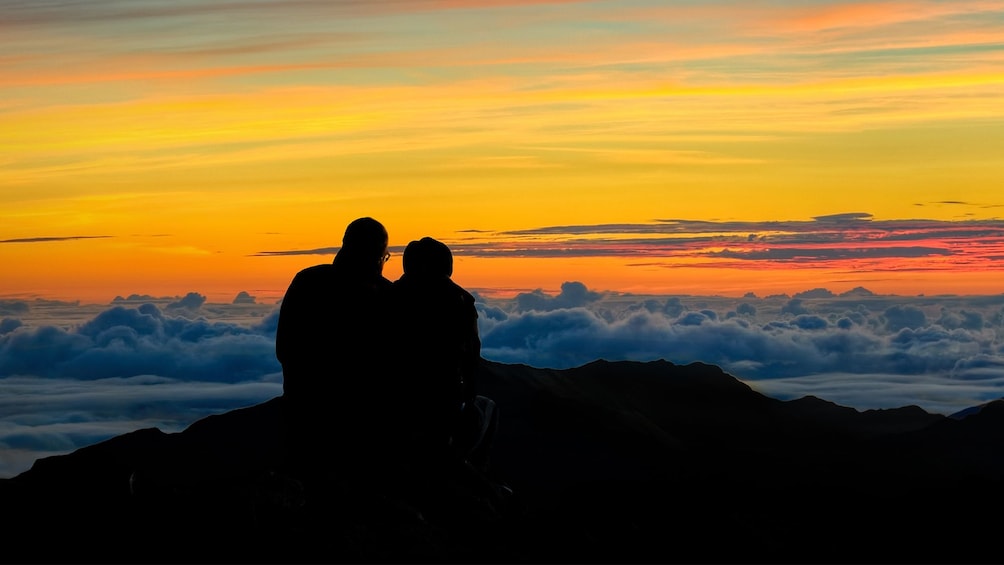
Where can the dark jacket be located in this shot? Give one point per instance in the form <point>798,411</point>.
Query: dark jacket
<point>438,351</point>
<point>330,341</point>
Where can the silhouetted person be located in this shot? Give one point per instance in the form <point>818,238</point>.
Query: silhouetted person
<point>436,340</point>
<point>330,341</point>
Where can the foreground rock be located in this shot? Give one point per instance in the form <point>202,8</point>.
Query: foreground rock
<point>621,462</point>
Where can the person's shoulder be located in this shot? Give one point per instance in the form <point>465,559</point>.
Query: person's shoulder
<point>312,275</point>
<point>458,297</point>
<point>316,269</point>
<point>463,292</point>
<point>403,283</point>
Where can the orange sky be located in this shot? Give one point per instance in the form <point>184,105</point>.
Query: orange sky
<point>644,147</point>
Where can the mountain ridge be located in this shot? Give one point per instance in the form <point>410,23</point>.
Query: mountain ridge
<point>612,461</point>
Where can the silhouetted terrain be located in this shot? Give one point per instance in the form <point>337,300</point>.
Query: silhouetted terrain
<point>619,462</point>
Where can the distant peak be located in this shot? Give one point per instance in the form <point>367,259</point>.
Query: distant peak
<point>857,291</point>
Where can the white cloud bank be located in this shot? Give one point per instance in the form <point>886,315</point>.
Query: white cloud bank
<point>72,375</point>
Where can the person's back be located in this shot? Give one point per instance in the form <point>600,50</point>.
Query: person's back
<point>438,347</point>
<point>328,340</point>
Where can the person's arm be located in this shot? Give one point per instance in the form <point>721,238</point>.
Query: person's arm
<point>472,354</point>
<point>285,328</point>
<point>293,329</point>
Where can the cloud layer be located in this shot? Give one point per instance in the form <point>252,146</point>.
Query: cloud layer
<point>72,375</point>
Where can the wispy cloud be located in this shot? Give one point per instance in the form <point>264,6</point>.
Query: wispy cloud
<point>315,251</point>
<point>850,240</point>
<point>844,238</point>
<point>47,239</point>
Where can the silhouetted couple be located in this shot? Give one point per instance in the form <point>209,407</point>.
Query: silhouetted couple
<point>380,377</point>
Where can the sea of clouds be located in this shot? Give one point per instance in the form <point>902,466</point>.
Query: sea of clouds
<point>72,375</point>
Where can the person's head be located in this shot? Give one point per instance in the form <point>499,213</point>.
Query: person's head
<point>364,245</point>
<point>428,257</point>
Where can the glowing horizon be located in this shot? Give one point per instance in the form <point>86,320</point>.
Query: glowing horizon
<point>636,147</point>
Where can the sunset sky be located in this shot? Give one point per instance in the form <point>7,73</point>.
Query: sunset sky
<point>690,147</point>
<point>614,179</point>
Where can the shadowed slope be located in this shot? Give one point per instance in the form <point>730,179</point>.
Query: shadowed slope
<point>610,462</point>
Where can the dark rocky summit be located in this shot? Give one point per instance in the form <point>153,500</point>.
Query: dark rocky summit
<point>611,462</point>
